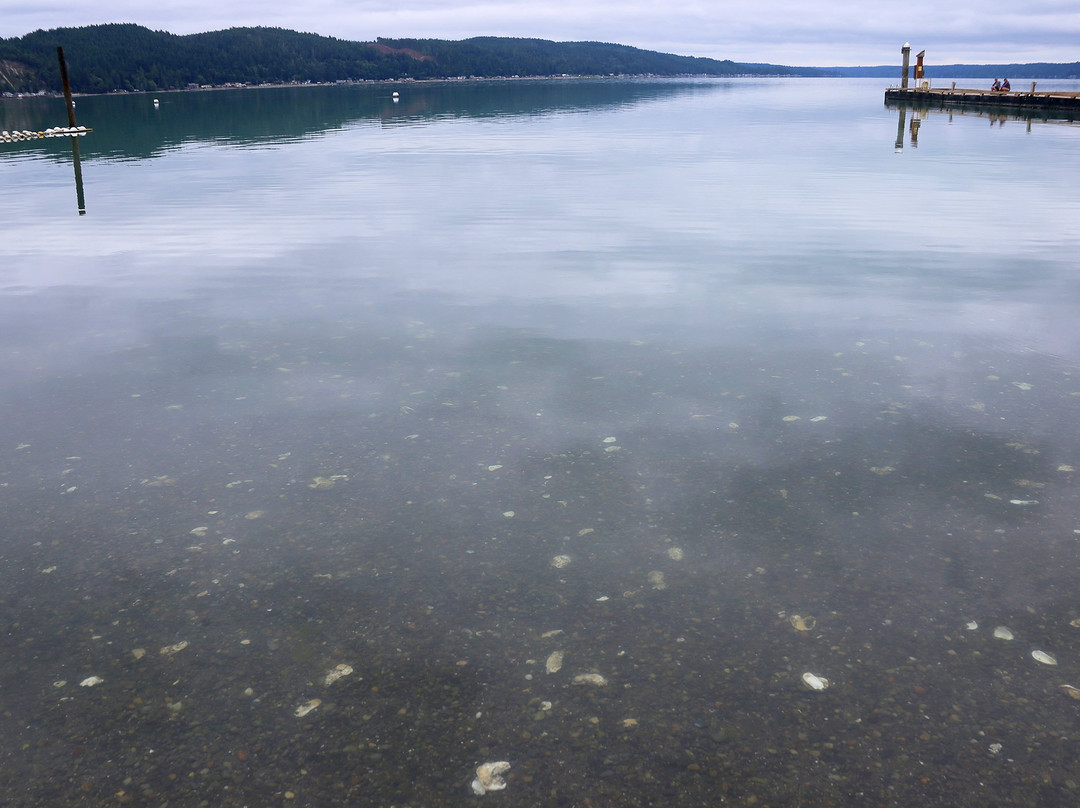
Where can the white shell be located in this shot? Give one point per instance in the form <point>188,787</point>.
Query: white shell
<point>90,681</point>
<point>1002,633</point>
<point>814,682</point>
<point>307,707</point>
<point>336,673</point>
<point>1043,657</point>
<point>489,777</point>
<point>594,679</point>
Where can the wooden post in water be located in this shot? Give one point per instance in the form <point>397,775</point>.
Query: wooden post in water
<point>67,87</point>
<point>906,51</point>
<point>80,198</point>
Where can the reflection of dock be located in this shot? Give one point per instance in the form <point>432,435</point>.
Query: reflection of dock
<point>921,113</point>
<point>1044,104</point>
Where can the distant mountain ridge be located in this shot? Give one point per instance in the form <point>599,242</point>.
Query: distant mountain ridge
<point>126,56</point>
<point>1032,70</point>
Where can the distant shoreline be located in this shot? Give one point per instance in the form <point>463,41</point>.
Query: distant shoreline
<point>406,81</point>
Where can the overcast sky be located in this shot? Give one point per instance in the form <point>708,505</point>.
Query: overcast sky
<point>790,32</point>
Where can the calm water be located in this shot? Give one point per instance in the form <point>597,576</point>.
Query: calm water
<point>703,385</point>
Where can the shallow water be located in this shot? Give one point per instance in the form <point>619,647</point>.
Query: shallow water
<point>321,379</point>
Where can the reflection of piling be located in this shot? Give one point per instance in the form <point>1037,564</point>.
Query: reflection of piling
<point>79,196</point>
<point>900,130</point>
<point>67,87</point>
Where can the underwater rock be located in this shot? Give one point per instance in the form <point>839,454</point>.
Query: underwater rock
<point>489,777</point>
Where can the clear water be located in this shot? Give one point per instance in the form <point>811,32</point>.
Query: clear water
<point>322,378</point>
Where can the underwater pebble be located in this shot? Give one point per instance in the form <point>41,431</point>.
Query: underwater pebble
<point>656,578</point>
<point>560,561</point>
<point>489,777</point>
<point>609,440</point>
<point>790,418</point>
<point>175,648</point>
<point>675,553</point>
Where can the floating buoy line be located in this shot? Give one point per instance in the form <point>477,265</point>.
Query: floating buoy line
<point>56,131</point>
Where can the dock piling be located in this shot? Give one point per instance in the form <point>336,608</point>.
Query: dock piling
<point>67,87</point>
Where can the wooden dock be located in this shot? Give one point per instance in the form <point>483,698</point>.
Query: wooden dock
<point>1042,104</point>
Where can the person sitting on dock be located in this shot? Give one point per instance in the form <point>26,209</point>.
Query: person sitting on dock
<point>1005,86</point>
<point>996,85</point>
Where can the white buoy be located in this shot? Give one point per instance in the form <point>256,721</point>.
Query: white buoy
<point>395,94</point>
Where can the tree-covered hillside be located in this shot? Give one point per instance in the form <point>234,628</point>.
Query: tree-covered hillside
<point>104,58</point>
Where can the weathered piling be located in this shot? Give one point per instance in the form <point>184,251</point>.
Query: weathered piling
<point>67,87</point>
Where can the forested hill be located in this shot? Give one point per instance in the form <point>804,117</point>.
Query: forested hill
<point>104,58</point>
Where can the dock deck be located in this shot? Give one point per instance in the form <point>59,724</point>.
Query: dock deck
<point>1048,104</point>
